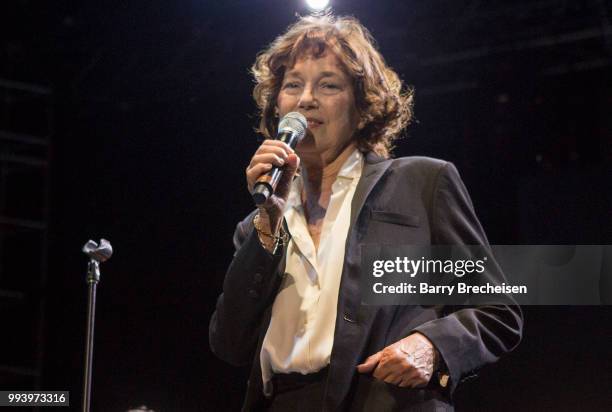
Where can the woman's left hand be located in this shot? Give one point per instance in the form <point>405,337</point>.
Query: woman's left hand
<point>409,362</point>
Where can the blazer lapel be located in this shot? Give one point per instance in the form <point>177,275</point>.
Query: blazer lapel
<point>373,169</point>
<point>349,299</point>
<point>351,327</point>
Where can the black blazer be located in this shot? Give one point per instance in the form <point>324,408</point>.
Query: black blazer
<point>413,200</point>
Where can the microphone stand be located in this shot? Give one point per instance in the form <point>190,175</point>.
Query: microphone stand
<point>97,253</point>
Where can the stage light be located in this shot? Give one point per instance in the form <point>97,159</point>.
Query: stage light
<point>317,4</point>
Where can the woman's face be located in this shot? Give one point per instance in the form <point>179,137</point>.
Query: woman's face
<point>320,90</point>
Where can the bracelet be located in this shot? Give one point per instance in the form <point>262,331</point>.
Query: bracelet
<point>280,240</point>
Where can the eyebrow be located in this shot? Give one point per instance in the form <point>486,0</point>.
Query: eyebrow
<point>323,74</point>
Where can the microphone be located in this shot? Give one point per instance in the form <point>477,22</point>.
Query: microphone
<point>291,129</point>
<point>100,252</point>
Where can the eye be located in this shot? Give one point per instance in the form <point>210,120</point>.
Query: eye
<point>330,86</point>
<point>291,85</point>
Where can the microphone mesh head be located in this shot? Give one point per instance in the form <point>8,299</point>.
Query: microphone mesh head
<point>294,122</point>
<point>100,252</point>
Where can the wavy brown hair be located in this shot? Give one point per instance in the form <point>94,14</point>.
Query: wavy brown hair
<point>384,108</point>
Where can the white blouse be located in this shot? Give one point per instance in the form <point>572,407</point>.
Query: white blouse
<point>301,331</point>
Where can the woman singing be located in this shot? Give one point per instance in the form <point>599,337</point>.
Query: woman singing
<point>291,303</point>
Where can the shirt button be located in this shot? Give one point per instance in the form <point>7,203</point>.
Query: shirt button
<point>253,293</point>
<point>257,278</point>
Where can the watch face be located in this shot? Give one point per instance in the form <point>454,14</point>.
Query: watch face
<point>443,379</point>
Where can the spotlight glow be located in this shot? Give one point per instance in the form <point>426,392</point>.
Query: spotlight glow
<point>317,4</point>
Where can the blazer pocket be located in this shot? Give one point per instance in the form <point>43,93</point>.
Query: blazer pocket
<point>372,394</point>
<point>396,218</point>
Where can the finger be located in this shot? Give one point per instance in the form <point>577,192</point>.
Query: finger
<point>412,383</point>
<point>369,364</point>
<point>383,369</point>
<point>409,380</point>
<point>277,150</point>
<point>293,163</point>
<point>267,158</point>
<point>405,383</point>
<point>382,372</point>
<point>258,169</point>
<point>393,379</point>
<point>278,143</point>
<point>256,172</point>
<point>391,363</point>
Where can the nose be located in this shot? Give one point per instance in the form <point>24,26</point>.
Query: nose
<point>308,99</point>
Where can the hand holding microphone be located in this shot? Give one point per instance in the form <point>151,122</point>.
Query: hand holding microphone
<point>291,129</point>
<point>271,171</point>
<point>273,166</point>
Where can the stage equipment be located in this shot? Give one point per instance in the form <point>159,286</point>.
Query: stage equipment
<point>98,253</point>
<point>317,5</point>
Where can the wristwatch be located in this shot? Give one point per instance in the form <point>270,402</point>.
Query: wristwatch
<point>442,374</point>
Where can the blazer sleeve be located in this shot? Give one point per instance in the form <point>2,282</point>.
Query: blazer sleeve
<point>249,288</point>
<point>467,337</point>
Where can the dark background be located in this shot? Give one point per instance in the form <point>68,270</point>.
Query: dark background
<point>147,110</point>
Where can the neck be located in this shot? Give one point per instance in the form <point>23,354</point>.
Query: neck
<point>319,173</point>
